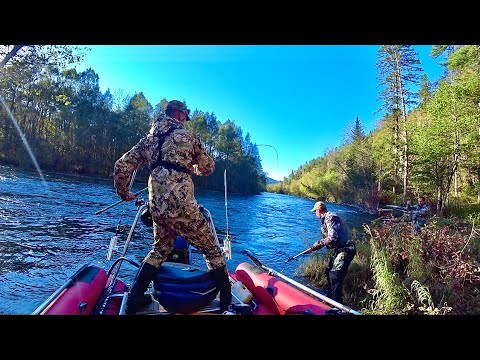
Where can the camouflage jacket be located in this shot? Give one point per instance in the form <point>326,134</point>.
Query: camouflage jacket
<point>421,212</point>
<point>334,230</point>
<point>181,147</point>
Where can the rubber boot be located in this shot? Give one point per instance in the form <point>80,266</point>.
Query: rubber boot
<point>240,309</point>
<point>137,296</point>
<point>222,281</point>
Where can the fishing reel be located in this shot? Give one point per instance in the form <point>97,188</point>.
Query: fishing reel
<point>146,217</point>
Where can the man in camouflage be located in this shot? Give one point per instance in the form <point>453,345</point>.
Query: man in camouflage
<point>420,212</point>
<point>172,153</point>
<point>336,238</point>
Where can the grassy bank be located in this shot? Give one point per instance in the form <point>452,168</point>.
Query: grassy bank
<point>396,272</point>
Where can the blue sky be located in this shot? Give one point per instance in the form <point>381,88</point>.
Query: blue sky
<point>298,99</point>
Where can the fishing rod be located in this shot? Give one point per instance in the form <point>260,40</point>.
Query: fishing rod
<point>119,202</point>
<point>276,152</point>
<point>114,238</point>
<point>395,207</point>
<point>227,242</point>
<point>389,210</point>
<point>226,207</point>
<point>115,268</point>
<point>142,205</point>
<point>297,284</point>
<point>303,252</point>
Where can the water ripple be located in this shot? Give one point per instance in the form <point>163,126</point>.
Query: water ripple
<point>47,234</point>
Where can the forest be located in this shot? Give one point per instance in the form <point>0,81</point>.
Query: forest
<point>427,141</point>
<point>58,118</point>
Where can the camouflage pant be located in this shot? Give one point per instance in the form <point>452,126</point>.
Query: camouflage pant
<point>193,227</point>
<point>418,223</point>
<point>337,270</point>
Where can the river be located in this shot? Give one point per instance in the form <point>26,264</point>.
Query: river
<point>48,229</point>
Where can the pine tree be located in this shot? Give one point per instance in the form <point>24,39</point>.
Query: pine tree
<point>399,68</point>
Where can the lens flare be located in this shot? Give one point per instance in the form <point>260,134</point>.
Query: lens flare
<point>22,136</point>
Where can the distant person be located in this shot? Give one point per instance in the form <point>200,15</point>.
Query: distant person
<point>420,213</point>
<point>172,153</point>
<point>336,238</point>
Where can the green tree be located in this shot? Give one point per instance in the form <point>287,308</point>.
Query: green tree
<point>160,108</point>
<point>399,68</point>
<point>425,93</point>
<point>358,134</point>
<point>443,138</point>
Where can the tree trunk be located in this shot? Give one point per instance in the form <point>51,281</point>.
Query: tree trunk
<point>478,187</point>
<point>379,183</point>
<point>395,155</point>
<point>455,184</point>
<point>405,133</point>
<point>439,201</point>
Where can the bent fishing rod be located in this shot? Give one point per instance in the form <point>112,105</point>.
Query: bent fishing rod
<point>297,284</point>
<point>276,152</point>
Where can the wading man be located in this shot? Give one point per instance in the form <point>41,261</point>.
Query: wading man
<point>342,249</point>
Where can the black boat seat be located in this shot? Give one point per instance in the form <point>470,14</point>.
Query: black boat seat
<point>183,288</point>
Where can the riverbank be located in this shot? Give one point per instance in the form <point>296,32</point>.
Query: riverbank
<point>397,273</point>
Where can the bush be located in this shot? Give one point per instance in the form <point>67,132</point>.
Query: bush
<point>396,272</point>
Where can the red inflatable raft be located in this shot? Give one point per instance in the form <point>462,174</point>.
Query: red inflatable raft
<point>79,294</point>
<point>276,297</point>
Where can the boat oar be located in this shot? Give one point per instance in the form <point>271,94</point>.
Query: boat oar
<point>297,284</point>
<point>303,252</point>
<point>118,202</point>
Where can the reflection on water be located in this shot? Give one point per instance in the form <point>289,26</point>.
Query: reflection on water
<point>47,234</point>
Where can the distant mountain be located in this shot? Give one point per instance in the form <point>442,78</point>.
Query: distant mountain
<point>272,181</point>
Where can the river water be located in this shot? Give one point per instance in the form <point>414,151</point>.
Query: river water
<point>48,230</point>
